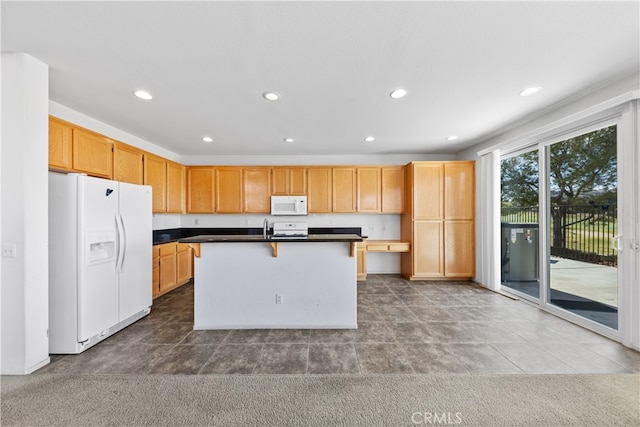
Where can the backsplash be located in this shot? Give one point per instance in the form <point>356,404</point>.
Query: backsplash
<point>375,226</point>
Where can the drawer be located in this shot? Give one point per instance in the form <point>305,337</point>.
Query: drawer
<point>168,249</point>
<point>387,246</point>
<point>399,247</point>
<point>156,251</point>
<point>183,247</point>
<point>371,247</point>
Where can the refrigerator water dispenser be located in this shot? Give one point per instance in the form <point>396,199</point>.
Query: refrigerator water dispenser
<point>102,247</point>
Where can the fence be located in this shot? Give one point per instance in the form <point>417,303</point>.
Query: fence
<point>579,232</point>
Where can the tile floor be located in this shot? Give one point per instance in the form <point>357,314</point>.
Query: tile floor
<point>404,327</point>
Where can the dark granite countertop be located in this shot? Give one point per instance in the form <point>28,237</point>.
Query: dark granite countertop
<point>250,234</point>
<point>234,238</point>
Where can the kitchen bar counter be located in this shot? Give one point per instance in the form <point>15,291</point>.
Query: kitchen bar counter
<point>252,282</point>
<point>259,238</point>
<point>175,234</point>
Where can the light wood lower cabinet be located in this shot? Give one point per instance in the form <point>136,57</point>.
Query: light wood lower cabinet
<point>459,249</point>
<point>174,265</point>
<point>184,263</point>
<point>156,272</point>
<point>428,260</point>
<point>361,254</point>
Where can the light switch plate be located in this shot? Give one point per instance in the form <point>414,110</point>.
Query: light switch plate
<point>9,250</point>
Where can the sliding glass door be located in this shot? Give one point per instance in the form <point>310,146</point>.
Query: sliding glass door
<point>559,225</point>
<point>582,226</point>
<point>519,224</point>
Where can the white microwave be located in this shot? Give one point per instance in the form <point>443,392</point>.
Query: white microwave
<point>288,205</point>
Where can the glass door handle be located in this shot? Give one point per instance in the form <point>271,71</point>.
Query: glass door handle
<point>615,242</point>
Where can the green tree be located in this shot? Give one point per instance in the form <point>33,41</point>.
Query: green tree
<point>519,180</point>
<point>583,167</point>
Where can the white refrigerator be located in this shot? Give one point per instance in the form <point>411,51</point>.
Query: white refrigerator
<point>100,255</point>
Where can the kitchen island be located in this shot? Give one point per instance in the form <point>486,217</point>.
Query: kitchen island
<point>253,282</point>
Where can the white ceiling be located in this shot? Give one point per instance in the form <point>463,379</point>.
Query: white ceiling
<point>334,64</point>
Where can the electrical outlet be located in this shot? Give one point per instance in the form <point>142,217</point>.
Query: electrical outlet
<point>9,250</point>
<point>197,221</point>
<point>279,298</point>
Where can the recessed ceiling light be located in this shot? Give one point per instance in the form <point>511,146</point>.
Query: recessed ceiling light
<point>207,139</point>
<point>271,96</point>
<point>369,139</point>
<point>288,140</point>
<point>451,138</point>
<point>530,91</point>
<point>398,93</point>
<point>143,94</point>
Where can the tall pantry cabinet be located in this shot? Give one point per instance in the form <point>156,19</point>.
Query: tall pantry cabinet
<point>439,220</point>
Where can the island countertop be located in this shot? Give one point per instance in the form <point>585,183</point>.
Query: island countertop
<point>258,238</point>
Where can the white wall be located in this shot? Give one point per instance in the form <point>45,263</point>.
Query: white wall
<point>24,288</point>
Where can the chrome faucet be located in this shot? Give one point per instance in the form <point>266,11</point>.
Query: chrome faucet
<point>265,227</point>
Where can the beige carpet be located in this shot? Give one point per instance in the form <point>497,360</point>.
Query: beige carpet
<point>316,400</point>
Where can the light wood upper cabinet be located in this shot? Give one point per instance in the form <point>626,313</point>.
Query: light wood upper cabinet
<point>128,164</point>
<point>257,190</point>
<point>319,190</point>
<point>60,144</point>
<point>92,153</point>
<point>427,190</point>
<point>392,189</point>
<point>459,188</point>
<point>228,182</point>
<point>155,175</point>
<point>176,183</point>
<point>344,189</point>
<point>369,189</point>
<point>298,181</point>
<point>201,190</point>
<point>280,181</point>
<point>288,181</point>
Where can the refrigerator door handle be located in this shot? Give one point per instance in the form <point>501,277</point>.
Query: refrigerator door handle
<point>120,254</point>
<point>124,243</point>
